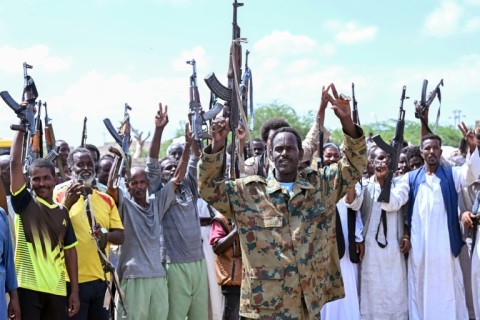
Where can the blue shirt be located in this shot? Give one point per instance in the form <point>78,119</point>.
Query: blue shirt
<point>8,279</point>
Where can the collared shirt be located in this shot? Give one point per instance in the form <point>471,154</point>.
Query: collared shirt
<point>106,214</point>
<point>288,241</point>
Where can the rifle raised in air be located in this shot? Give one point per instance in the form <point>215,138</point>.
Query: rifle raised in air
<point>231,94</point>
<point>393,150</point>
<point>26,113</point>
<point>426,102</point>
<point>122,137</point>
<point>199,119</point>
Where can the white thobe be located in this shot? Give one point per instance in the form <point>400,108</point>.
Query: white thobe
<point>348,307</point>
<point>214,290</point>
<point>435,283</point>
<point>383,275</point>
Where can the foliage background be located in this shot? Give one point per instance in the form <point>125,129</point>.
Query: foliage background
<point>450,135</point>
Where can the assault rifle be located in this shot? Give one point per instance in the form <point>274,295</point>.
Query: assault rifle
<point>83,141</point>
<point>36,143</point>
<point>199,119</point>
<point>393,149</point>
<point>25,112</point>
<point>122,137</point>
<point>426,102</point>
<point>50,144</point>
<point>355,117</point>
<point>246,90</point>
<point>231,94</point>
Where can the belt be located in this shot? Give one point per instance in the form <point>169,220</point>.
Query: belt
<point>205,221</point>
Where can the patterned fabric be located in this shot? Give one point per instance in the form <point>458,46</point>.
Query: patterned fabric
<point>288,241</point>
<point>44,231</point>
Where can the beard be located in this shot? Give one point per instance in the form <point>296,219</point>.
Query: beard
<point>86,177</point>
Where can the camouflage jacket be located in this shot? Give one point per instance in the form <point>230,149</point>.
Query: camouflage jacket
<point>288,241</point>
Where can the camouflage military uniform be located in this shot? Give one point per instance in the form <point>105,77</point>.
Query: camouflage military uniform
<point>288,241</point>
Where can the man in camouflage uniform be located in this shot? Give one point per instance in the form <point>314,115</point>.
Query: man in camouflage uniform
<point>286,222</point>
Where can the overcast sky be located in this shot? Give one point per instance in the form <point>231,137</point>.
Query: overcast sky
<point>91,57</point>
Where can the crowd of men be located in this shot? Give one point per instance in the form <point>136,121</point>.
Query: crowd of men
<point>288,238</point>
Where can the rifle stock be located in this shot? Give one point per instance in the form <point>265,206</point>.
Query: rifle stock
<point>393,150</point>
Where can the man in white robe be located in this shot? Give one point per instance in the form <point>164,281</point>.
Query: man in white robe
<point>383,275</point>
<point>435,282</point>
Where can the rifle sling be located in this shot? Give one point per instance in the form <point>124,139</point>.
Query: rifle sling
<point>352,245</point>
<point>106,266</point>
<point>383,221</point>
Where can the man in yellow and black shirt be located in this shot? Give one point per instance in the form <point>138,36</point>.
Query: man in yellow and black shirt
<point>45,242</point>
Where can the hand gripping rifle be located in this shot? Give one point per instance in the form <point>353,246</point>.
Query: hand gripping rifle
<point>231,94</point>
<point>122,137</point>
<point>83,141</point>
<point>426,102</point>
<point>25,112</point>
<point>393,150</point>
<point>199,119</point>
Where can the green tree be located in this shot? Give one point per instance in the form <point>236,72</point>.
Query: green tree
<point>280,110</point>
<point>450,135</point>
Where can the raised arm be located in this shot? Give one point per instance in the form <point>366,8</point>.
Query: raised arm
<point>211,185</point>
<point>17,179</point>
<point>341,107</point>
<point>190,145</point>
<point>161,120</point>
<point>153,169</point>
<point>310,143</point>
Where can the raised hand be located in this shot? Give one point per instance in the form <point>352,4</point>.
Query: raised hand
<point>161,118</point>
<point>340,103</point>
<point>189,140</point>
<point>324,99</point>
<point>219,129</point>
<point>469,135</point>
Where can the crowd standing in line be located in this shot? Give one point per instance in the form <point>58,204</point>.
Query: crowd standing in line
<point>290,238</point>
